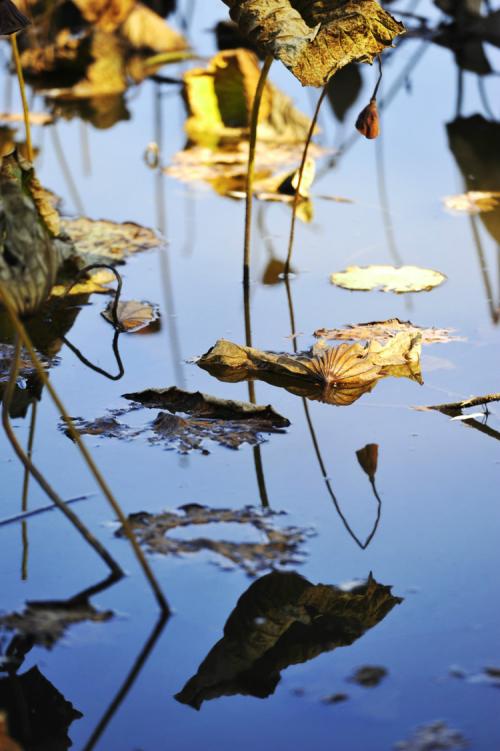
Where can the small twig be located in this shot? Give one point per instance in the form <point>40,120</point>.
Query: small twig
<point>254,119</point>
<point>465,404</point>
<point>296,196</point>
<point>41,510</point>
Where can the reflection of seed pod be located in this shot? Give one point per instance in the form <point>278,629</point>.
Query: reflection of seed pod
<point>368,123</point>
<point>346,364</point>
<point>11,19</point>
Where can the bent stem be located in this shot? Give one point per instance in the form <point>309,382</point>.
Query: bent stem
<point>296,196</point>
<point>22,89</point>
<point>251,166</point>
<point>26,341</point>
<point>37,475</point>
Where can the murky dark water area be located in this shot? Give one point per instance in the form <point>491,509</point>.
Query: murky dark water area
<point>436,543</point>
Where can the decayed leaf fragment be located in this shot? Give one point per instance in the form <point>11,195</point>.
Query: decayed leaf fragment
<point>281,620</point>
<point>386,330</point>
<point>315,39</point>
<point>473,202</point>
<point>132,315</point>
<point>281,546</point>
<point>111,242</point>
<point>368,459</point>
<point>400,279</point>
<point>204,405</point>
<point>333,375</point>
<point>96,282</point>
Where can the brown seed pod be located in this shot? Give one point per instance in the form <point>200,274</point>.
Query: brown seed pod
<point>368,122</point>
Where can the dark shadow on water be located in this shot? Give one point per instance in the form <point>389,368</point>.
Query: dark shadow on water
<point>281,620</point>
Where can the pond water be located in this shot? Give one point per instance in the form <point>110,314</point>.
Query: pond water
<point>436,543</point>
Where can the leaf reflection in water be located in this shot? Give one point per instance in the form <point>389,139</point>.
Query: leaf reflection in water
<point>282,619</point>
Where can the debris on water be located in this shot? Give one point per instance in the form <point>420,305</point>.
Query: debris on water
<point>282,546</point>
<point>436,735</point>
<point>335,698</point>
<point>368,676</point>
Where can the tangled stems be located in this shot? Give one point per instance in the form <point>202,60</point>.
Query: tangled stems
<point>296,196</point>
<point>254,119</point>
<point>26,342</point>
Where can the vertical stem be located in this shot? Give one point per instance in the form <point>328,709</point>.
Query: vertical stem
<point>301,172</point>
<point>22,89</point>
<point>24,501</point>
<point>127,529</point>
<point>251,165</point>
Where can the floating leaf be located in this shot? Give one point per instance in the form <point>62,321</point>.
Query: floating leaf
<point>473,202</point>
<point>108,242</point>
<point>389,278</point>
<point>316,39</point>
<point>283,620</point>
<point>44,623</point>
<point>280,548</point>
<point>436,735</point>
<point>132,315</point>
<point>97,282</point>
<point>333,375</point>
<point>204,405</point>
<point>387,330</point>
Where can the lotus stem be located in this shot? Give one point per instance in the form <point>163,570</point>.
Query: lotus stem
<point>254,119</point>
<point>22,89</point>
<point>37,475</point>
<point>26,341</point>
<point>296,196</point>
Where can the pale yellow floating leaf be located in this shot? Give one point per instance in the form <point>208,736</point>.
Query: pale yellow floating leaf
<point>105,14</point>
<point>315,39</point>
<point>95,283</point>
<point>145,29</point>
<point>388,278</point>
<point>132,315</point>
<point>386,330</point>
<point>473,202</point>
<point>35,118</point>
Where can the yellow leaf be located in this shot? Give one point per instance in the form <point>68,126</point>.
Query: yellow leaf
<point>95,283</point>
<point>132,315</point>
<point>388,278</point>
<point>473,202</point>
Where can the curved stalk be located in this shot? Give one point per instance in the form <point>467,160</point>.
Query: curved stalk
<point>296,196</point>
<point>26,341</point>
<point>22,89</point>
<point>254,119</point>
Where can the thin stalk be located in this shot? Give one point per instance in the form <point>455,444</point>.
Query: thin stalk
<point>24,499</point>
<point>40,479</point>
<point>22,89</point>
<point>36,511</point>
<point>296,196</point>
<point>254,119</point>
<point>26,341</point>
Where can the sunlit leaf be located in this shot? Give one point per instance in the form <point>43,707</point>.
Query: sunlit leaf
<point>132,315</point>
<point>389,278</point>
<point>283,620</point>
<point>314,40</point>
<point>219,102</point>
<point>275,545</point>
<point>106,241</point>
<point>35,118</point>
<point>333,375</point>
<point>473,202</point>
<point>385,331</point>
<point>97,281</point>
